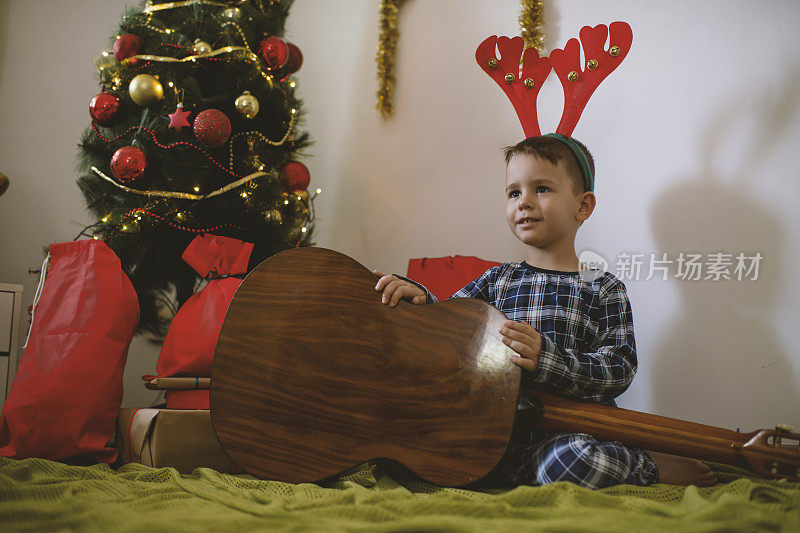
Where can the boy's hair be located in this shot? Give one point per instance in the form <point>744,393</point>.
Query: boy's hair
<point>553,150</point>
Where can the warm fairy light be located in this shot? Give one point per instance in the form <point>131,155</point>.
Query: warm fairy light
<point>171,84</point>
<point>261,167</point>
<point>294,111</point>
<point>105,218</point>
<point>168,31</point>
<point>304,229</point>
<point>292,84</point>
<point>319,191</point>
<point>197,189</point>
<point>105,53</point>
<point>244,194</point>
<point>95,237</point>
<point>124,227</point>
<point>286,202</point>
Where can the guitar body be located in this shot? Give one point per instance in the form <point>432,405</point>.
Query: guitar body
<point>313,375</point>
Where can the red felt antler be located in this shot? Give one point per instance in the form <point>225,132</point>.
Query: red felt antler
<point>580,84</point>
<point>522,89</point>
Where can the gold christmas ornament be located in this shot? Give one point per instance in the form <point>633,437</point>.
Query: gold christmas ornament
<point>145,90</point>
<point>3,184</point>
<point>246,105</point>
<point>201,47</point>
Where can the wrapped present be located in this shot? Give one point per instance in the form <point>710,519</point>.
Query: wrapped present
<point>443,276</point>
<point>84,315</point>
<point>182,439</point>
<point>192,337</point>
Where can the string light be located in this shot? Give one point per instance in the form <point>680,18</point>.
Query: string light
<point>197,189</point>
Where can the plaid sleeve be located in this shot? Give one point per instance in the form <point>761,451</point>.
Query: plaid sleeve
<point>478,288</point>
<point>604,373</point>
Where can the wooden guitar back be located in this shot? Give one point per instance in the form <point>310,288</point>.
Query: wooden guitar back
<point>313,375</point>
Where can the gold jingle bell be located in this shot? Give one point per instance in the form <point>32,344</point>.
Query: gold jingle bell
<point>492,63</point>
<point>145,90</point>
<point>529,83</point>
<point>510,78</point>
<point>246,105</point>
<point>572,76</point>
<point>615,51</point>
<point>592,64</point>
<point>201,47</point>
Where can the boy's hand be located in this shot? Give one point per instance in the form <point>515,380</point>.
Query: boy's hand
<point>525,341</point>
<point>395,288</point>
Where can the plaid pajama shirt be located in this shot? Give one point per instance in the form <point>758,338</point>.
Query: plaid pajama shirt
<point>588,353</point>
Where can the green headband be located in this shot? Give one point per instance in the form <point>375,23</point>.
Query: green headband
<point>583,161</point>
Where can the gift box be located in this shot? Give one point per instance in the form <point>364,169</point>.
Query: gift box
<point>182,439</point>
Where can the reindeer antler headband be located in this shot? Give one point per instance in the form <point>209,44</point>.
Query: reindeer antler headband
<point>579,84</point>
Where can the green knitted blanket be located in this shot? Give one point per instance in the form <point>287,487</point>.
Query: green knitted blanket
<point>40,495</point>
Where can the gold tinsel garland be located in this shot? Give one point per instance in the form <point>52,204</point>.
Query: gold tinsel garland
<point>384,55</point>
<point>531,22</point>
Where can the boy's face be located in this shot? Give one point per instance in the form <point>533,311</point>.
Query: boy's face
<point>542,208</point>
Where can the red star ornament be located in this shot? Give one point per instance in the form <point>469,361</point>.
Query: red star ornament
<point>177,119</point>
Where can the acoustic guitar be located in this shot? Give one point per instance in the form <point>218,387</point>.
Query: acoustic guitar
<point>313,375</point>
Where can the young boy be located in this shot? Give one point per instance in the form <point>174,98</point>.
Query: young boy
<point>571,334</point>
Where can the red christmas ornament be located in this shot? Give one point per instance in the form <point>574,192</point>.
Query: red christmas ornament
<point>178,119</point>
<point>295,176</point>
<point>128,163</point>
<point>126,46</point>
<point>275,52</point>
<point>103,108</point>
<point>295,59</point>
<point>212,127</point>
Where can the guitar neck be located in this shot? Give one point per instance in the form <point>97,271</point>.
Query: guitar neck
<point>640,430</point>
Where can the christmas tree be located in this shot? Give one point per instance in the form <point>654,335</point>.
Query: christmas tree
<point>195,130</point>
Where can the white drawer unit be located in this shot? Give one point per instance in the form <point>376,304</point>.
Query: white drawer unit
<point>10,320</point>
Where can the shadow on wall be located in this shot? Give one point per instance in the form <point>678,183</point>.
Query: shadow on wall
<point>721,354</point>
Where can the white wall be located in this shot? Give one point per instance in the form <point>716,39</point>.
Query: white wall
<point>694,136</point>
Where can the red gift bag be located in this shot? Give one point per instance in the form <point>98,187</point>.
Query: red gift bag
<point>443,276</point>
<point>68,388</point>
<point>193,334</point>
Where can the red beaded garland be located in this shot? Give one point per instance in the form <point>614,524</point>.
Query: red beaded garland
<point>166,146</point>
<point>126,46</point>
<point>296,176</point>
<point>212,127</point>
<point>176,226</point>
<point>103,108</point>
<point>128,163</point>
